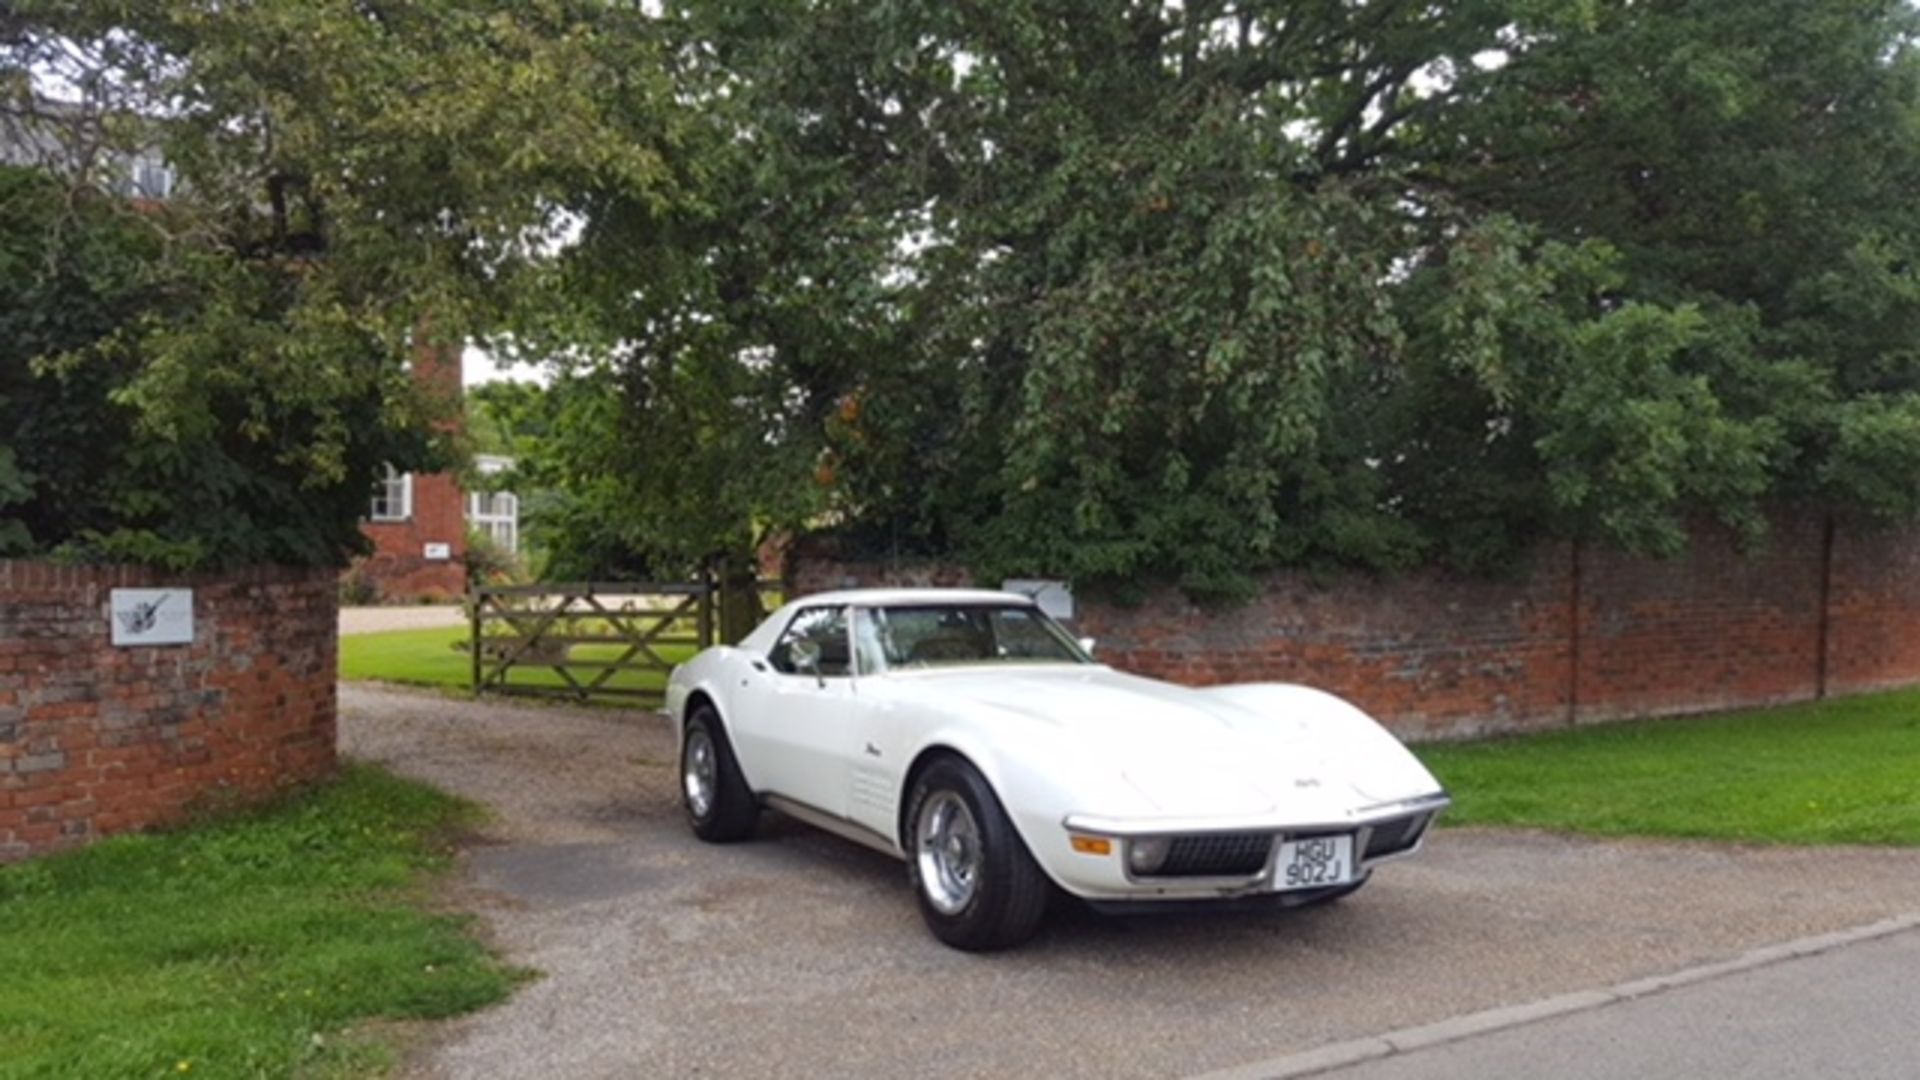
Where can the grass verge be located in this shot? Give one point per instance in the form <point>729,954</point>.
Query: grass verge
<point>430,658</point>
<point>416,657</point>
<point>247,946</point>
<point>1845,771</point>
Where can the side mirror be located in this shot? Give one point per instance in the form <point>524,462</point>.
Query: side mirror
<point>1086,645</point>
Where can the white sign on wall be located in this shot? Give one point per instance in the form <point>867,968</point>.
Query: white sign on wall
<point>1054,597</point>
<point>152,616</point>
<point>438,552</point>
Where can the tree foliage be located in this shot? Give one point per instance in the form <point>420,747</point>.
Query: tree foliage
<point>1119,290</point>
<point>1106,290</point>
<point>219,378</point>
<point>132,432</point>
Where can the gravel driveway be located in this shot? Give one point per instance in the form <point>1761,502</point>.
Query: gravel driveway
<point>374,620</point>
<point>799,954</point>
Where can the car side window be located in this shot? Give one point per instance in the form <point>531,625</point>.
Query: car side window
<point>826,630</point>
<point>938,635</point>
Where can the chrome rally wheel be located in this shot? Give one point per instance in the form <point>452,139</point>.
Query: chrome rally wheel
<point>719,805</point>
<point>949,852</point>
<point>700,774</point>
<point>977,884</point>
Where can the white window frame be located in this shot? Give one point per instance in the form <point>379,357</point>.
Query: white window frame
<point>152,179</point>
<point>382,508</point>
<point>484,511</point>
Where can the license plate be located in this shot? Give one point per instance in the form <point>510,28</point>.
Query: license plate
<point>1315,863</point>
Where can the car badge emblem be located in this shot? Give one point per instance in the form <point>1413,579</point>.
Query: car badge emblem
<point>1306,782</point>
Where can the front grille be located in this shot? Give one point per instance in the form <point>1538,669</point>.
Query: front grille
<point>1393,837</point>
<point>1245,854</point>
<point>1217,855</point>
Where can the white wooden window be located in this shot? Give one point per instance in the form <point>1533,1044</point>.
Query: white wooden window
<point>152,180</point>
<point>497,513</point>
<point>393,497</point>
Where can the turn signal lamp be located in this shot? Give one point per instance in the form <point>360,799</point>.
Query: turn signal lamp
<point>1092,845</point>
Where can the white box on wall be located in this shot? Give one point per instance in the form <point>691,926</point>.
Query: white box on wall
<point>1054,597</point>
<point>151,616</point>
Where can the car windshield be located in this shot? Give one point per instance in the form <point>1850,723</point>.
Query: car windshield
<point>941,635</point>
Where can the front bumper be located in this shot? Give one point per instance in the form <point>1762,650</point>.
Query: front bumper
<point>1382,833</point>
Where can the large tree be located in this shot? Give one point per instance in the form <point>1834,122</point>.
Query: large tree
<point>218,377</point>
<point>1744,164</point>
<point>1116,290</point>
<point>1107,290</point>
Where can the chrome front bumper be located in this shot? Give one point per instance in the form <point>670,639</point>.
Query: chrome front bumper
<point>1362,825</point>
<point>1099,825</point>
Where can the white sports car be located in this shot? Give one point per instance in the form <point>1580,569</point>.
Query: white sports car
<point>970,735</point>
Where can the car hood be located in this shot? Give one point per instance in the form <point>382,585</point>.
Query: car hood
<point>1192,751</point>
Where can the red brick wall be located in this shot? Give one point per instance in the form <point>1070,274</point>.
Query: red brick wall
<point>1576,635</point>
<point>96,739</point>
<point>1439,654</point>
<point>1873,610</point>
<point>1714,629</point>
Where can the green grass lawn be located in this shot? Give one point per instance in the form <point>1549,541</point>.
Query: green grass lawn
<point>417,657</point>
<point>243,947</point>
<point>1842,771</point>
<point>429,658</point>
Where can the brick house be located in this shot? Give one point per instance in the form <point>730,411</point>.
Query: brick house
<point>67,138</point>
<point>418,522</point>
<point>419,536</point>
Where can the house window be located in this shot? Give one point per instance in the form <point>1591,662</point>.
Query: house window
<point>496,513</point>
<point>142,177</point>
<point>393,497</point>
<point>152,180</point>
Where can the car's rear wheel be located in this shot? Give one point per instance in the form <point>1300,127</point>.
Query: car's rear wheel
<point>718,804</point>
<point>977,884</point>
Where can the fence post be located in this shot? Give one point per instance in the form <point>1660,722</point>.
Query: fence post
<point>705,608</point>
<point>1820,670</point>
<point>1573,631</point>
<point>473,637</point>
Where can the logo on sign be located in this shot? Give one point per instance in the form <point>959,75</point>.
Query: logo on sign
<point>142,618</point>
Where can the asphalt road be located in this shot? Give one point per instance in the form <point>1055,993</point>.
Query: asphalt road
<point>801,955</point>
<point>1853,1012</point>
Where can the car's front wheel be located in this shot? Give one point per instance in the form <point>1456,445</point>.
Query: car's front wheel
<point>978,886</point>
<point>719,806</point>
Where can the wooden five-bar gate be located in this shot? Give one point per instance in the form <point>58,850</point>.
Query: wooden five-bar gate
<point>608,640</point>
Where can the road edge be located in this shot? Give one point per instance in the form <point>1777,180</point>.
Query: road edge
<point>1340,1055</point>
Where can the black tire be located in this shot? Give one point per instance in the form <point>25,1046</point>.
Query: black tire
<point>1009,891</point>
<point>730,811</point>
